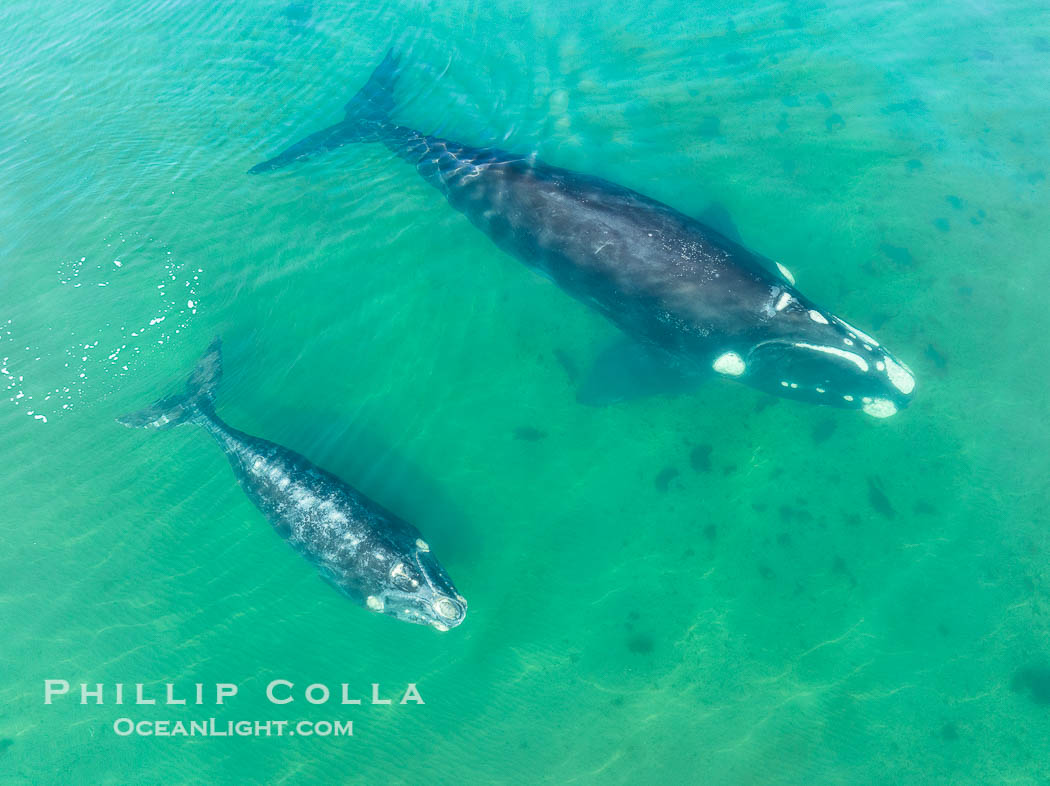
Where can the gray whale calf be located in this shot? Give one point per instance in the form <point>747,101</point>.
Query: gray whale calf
<point>376,558</point>
<point>696,298</point>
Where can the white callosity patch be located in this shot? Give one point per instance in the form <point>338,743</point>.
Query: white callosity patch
<point>879,407</point>
<point>853,357</point>
<point>857,333</point>
<point>900,377</point>
<point>816,316</point>
<point>784,300</point>
<point>374,603</point>
<point>730,364</point>
<point>786,274</point>
<point>422,545</point>
<point>767,305</point>
<point>446,608</point>
<point>398,571</point>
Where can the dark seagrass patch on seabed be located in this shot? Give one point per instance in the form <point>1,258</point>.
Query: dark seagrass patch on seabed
<point>936,357</point>
<point>700,458</point>
<point>640,644</point>
<point>878,499</point>
<point>663,480</point>
<point>1033,680</point>
<point>897,254</point>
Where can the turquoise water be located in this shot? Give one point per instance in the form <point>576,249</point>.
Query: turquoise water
<point>716,587</point>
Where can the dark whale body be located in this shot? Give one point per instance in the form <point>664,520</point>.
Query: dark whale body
<point>697,298</point>
<point>373,556</point>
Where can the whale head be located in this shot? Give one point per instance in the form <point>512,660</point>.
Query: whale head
<point>809,354</point>
<point>417,589</point>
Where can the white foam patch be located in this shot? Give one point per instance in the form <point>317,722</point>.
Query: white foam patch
<point>92,354</point>
<point>816,316</point>
<point>900,377</point>
<point>880,408</point>
<point>853,357</point>
<point>786,274</point>
<point>730,364</point>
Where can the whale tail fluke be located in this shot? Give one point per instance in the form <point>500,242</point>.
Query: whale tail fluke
<point>375,101</point>
<point>179,408</point>
<point>367,119</point>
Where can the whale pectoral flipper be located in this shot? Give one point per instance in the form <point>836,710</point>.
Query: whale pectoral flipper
<point>172,410</point>
<point>626,371</point>
<point>718,218</point>
<point>367,118</point>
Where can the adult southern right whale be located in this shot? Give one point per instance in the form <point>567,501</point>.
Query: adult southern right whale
<point>701,300</point>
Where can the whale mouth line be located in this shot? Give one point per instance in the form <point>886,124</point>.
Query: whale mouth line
<point>767,343</point>
<point>447,608</point>
<point>879,386</point>
<point>427,577</point>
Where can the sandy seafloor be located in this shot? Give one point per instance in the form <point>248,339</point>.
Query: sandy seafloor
<point>716,587</point>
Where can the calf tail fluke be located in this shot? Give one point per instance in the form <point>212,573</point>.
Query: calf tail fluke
<point>367,118</point>
<point>178,408</point>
